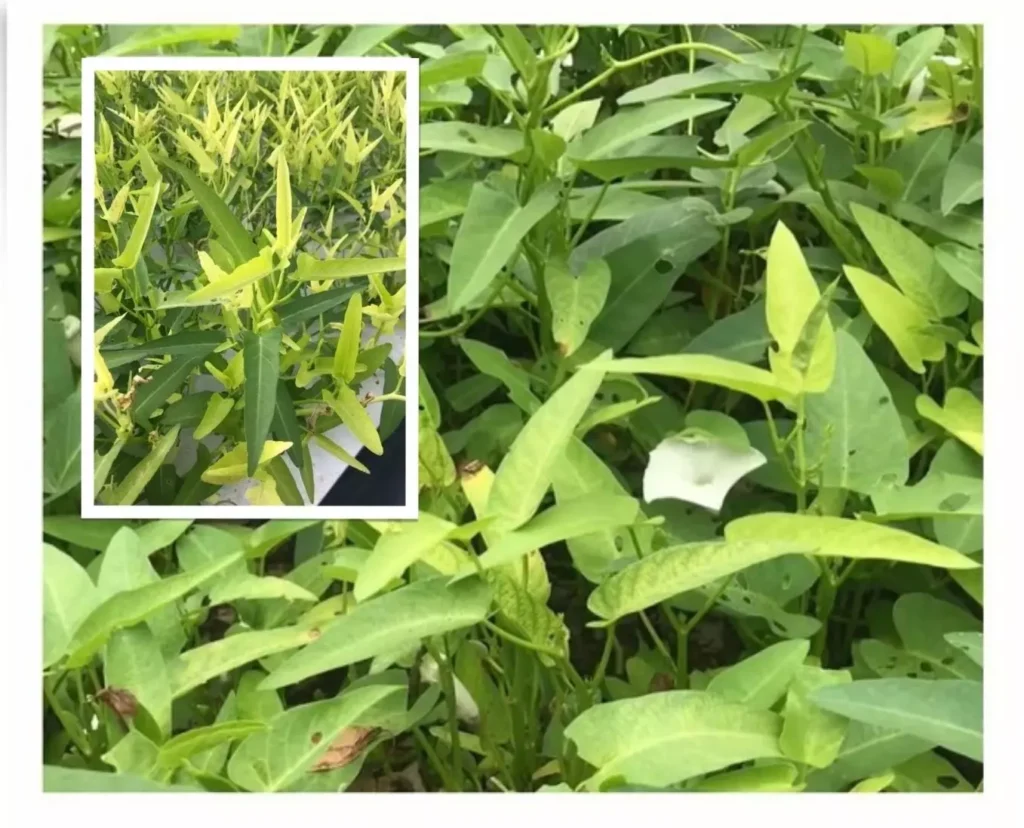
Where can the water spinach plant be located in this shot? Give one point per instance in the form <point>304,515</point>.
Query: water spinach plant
<point>700,445</point>
<point>250,253</point>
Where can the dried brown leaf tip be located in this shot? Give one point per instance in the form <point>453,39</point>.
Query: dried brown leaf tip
<point>122,702</point>
<point>662,682</point>
<point>343,750</point>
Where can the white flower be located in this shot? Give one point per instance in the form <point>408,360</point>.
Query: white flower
<point>697,471</point>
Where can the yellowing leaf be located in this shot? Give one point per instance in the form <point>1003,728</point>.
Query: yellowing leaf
<point>901,320</point>
<point>380,201</point>
<point>133,249</point>
<point>231,468</point>
<point>844,538</point>
<point>962,415</point>
<point>346,405</point>
<point>244,274</point>
<point>217,408</point>
<point>348,343</point>
<point>284,204</point>
<point>791,298</point>
<point>195,149</point>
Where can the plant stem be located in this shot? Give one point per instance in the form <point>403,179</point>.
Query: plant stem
<point>448,685</point>
<point>619,65</point>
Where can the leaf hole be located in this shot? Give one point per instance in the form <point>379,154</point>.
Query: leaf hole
<point>663,266</point>
<point>883,400</point>
<point>926,667</point>
<point>947,782</point>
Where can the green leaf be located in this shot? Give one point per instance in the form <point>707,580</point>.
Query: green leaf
<point>961,414</point>
<point>398,549</point>
<point>251,270</point>
<point>328,445</point>
<point>299,310</point>
<point>363,39</point>
<point>914,53</point>
<point>185,344</point>
<point>866,750</point>
<point>232,467</point>
<point>809,734</point>
<point>186,745</point>
<point>939,494</point>
<point>870,54</point>
<point>451,67</point>
<point>58,779</point>
<point>151,38</point>
<point>947,713</point>
<point>197,666</point>
<point>166,381</point>
<point>129,257</point>
<point>217,408</point>
<point>568,519</point>
<point>791,298</point>
<point>285,424</point>
<point>969,642</point>
<point>280,756</point>
<point>903,322</point>
<point>911,263</point>
<point>69,595</point>
<point>225,226</point>
<point>702,368</point>
<point>963,265</point>
<point>739,337</point>
<point>127,608</point>
<point>261,355</point>
<point>575,301</point>
<point>62,446</point>
<point>310,269</point>
<point>386,623</point>
<point>133,661</point>
<point>579,473</point>
<point>761,679</point>
<point>663,738</point>
<point>348,342</point>
<point>854,427</point>
<point>133,484</point>
<point>350,410</point>
<point>647,254</point>
<point>661,575</point>
<point>525,473</point>
<point>625,127</point>
<point>844,538</point>
<point>471,139</point>
<point>963,182</point>
<point>488,236</point>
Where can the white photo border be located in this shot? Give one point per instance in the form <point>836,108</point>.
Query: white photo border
<point>408,66</point>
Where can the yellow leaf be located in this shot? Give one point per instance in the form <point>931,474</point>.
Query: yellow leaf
<point>791,296</point>
<point>348,343</point>
<point>231,468</point>
<point>380,201</point>
<point>245,274</point>
<point>962,415</point>
<point>284,203</point>
<point>900,319</point>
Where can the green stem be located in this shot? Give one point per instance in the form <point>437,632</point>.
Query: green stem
<point>619,65</point>
<point>824,602</point>
<point>448,685</point>
<point>606,653</point>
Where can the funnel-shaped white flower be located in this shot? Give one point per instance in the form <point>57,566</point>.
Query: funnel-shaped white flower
<point>697,471</point>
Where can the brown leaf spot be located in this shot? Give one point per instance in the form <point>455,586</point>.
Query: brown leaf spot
<point>316,737</point>
<point>313,633</point>
<point>122,702</point>
<point>343,750</point>
<point>661,682</point>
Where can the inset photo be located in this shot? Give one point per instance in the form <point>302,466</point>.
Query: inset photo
<point>252,224</point>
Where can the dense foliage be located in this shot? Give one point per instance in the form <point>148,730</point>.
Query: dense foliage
<point>700,444</point>
<point>220,323</point>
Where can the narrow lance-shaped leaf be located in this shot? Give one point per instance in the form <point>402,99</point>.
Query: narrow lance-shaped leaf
<point>225,225</point>
<point>525,473</point>
<point>348,342</point>
<point>136,241</point>
<point>349,409</point>
<point>261,357</point>
<point>129,489</point>
<point>387,623</point>
<point>283,205</point>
